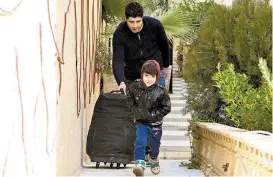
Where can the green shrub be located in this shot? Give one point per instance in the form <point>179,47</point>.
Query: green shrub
<point>237,35</point>
<point>250,108</point>
<point>102,58</point>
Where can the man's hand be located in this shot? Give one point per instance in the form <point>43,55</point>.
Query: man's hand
<point>122,86</point>
<point>167,72</point>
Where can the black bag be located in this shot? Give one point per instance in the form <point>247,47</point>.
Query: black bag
<point>112,131</point>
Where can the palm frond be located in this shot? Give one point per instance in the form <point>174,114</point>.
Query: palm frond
<point>178,24</point>
<point>116,8</point>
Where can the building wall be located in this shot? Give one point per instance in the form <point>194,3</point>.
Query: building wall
<point>78,24</point>
<point>45,100</point>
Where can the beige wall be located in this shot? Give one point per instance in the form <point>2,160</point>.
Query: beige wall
<point>77,86</point>
<point>27,102</point>
<point>41,129</point>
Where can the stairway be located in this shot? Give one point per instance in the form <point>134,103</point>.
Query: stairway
<point>175,145</point>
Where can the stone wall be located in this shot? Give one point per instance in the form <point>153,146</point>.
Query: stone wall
<point>228,151</point>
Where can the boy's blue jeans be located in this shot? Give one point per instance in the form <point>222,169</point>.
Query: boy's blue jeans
<point>153,134</point>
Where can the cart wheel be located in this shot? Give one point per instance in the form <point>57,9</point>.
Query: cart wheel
<point>111,165</point>
<point>124,165</point>
<point>105,163</point>
<point>118,165</point>
<point>97,165</point>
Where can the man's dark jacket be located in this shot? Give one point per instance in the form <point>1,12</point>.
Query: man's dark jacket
<point>131,50</point>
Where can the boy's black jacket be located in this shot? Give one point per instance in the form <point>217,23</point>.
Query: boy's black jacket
<point>149,105</point>
<point>131,50</point>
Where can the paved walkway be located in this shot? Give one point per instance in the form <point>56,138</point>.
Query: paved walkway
<point>168,168</point>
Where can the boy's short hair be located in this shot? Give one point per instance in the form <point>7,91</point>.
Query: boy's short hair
<point>134,10</point>
<point>149,67</point>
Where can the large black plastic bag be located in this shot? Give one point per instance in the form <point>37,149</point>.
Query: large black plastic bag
<point>112,131</point>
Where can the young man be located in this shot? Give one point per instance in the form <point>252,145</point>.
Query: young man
<point>149,103</point>
<point>135,41</point>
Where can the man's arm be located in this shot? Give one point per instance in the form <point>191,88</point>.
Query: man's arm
<point>163,43</point>
<point>118,57</point>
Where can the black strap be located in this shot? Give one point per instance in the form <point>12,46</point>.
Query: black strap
<point>118,91</point>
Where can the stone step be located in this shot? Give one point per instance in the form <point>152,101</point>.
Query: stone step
<point>176,108</point>
<point>180,84</point>
<point>181,89</point>
<point>176,111</point>
<point>180,101</point>
<point>174,155</point>
<point>175,143</point>
<point>175,96</point>
<point>177,148</point>
<point>172,137</point>
<point>174,120</point>
<point>178,105</point>
<point>177,115</point>
<point>175,74</point>
<point>177,79</point>
<point>175,128</point>
<point>174,133</point>
<point>179,92</point>
<point>176,124</point>
<point>183,93</point>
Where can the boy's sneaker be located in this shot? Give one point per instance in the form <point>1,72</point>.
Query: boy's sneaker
<point>139,168</point>
<point>154,165</point>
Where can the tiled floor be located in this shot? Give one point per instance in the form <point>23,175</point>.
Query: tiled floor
<point>168,168</point>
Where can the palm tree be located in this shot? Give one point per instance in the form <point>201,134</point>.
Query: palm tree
<point>181,21</point>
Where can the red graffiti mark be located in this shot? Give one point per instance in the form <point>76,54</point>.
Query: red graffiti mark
<point>58,53</point>
<point>76,55</point>
<point>93,48</point>
<point>43,84</point>
<point>22,110</point>
<point>90,64</point>
<point>64,29</point>
<point>86,55</point>
<point>80,77</point>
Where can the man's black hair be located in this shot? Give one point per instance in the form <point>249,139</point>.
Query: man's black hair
<point>134,10</point>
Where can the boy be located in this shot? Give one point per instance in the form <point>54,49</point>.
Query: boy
<point>149,103</point>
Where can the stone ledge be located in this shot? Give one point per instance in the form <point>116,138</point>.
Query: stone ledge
<point>230,151</point>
